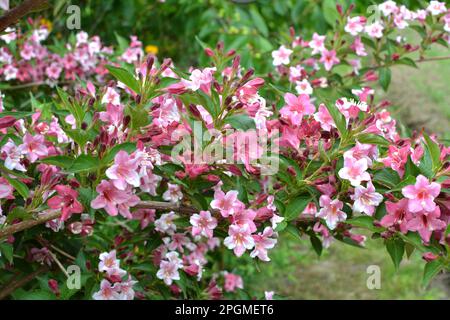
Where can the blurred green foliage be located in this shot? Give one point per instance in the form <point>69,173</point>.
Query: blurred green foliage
<point>253,27</point>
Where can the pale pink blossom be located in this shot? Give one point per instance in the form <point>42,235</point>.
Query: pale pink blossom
<point>173,193</point>
<point>303,87</point>
<point>388,7</point>
<point>263,242</point>
<point>374,30</point>
<point>226,203</point>
<point>331,211</point>
<point>168,269</point>
<point>281,56</point>
<point>317,43</point>
<point>111,96</point>
<point>239,239</point>
<point>421,195</point>
<point>166,223</point>
<point>106,292</point>
<point>436,8</point>
<point>110,264</point>
<point>203,224</point>
<point>33,147</point>
<point>355,25</point>
<point>366,199</point>
<point>123,171</point>
<point>358,47</point>
<point>397,215</point>
<point>109,198</point>
<point>14,155</point>
<point>354,171</point>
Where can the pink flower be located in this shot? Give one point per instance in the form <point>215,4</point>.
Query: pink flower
<point>6,189</point>
<point>226,203</point>
<point>203,224</point>
<point>436,8</point>
<point>232,281</point>
<point>329,59</point>
<point>355,25</point>
<point>324,117</point>
<point>331,211</point>
<point>110,264</point>
<point>268,295</point>
<point>168,269</point>
<point>166,224</point>
<point>366,199</point>
<point>425,223</point>
<point>126,289</point>
<point>374,30</point>
<point>146,216</point>
<point>14,156</point>
<point>106,292</point>
<point>303,87</point>
<point>173,193</point>
<point>239,239</point>
<point>421,195</point>
<point>281,56</point>
<point>363,151</point>
<point>263,242</point>
<point>34,147</point>
<point>317,43</point>
<point>111,97</point>
<point>201,79</point>
<point>397,214</point>
<point>124,171</point>
<point>109,197</point>
<point>397,158</point>
<point>388,7</point>
<point>354,171</point>
<point>244,217</point>
<point>296,108</point>
<point>66,200</point>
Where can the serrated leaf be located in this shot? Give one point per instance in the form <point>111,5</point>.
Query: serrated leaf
<point>125,77</point>
<point>20,187</point>
<point>295,207</point>
<point>431,269</point>
<point>385,78</point>
<point>396,249</point>
<point>370,138</point>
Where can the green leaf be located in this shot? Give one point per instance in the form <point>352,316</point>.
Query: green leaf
<point>396,249</point>
<point>338,119</point>
<point>259,22</point>
<point>316,244</point>
<point>330,12</point>
<point>7,251</point>
<point>385,78</point>
<point>127,146</point>
<point>241,122</point>
<point>295,207</point>
<point>363,222</point>
<point>35,295</point>
<point>18,213</point>
<point>291,229</point>
<point>63,162</point>
<point>431,269</point>
<point>84,163</point>
<point>370,138</point>
<point>20,187</point>
<point>125,77</point>
<point>74,108</point>
<point>387,177</point>
<point>435,152</point>
<point>16,114</point>
<point>407,61</point>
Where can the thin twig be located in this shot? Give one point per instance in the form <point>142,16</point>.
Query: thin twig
<point>15,14</point>
<point>157,205</point>
<point>16,284</point>
<point>58,263</point>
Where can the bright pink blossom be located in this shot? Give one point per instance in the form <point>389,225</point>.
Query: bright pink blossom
<point>263,242</point>
<point>226,203</point>
<point>331,211</point>
<point>354,171</point>
<point>329,59</point>
<point>425,223</point>
<point>366,199</point>
<point>123,171</point>
<point>296,108</point>
<point>421,195</point>
<point>66,200</point>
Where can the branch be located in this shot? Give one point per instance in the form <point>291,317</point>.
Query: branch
<point>157,205</point>
<point>15,14</point>
<point>13,285</point>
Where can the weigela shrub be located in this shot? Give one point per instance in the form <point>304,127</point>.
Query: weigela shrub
<point>159,183</point>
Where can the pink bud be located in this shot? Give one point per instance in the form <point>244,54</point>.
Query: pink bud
<point>7,121</point>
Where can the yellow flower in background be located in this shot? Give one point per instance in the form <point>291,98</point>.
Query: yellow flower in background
<point>47,23</point>
<point>151,49</point>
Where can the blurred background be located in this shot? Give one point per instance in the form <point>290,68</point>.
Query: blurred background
<point>254,28</point>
